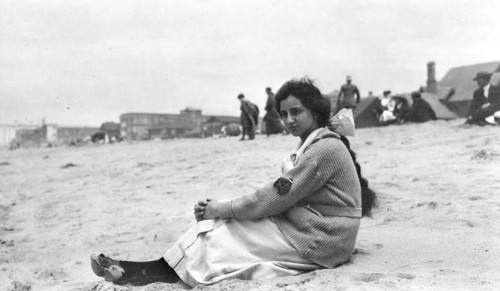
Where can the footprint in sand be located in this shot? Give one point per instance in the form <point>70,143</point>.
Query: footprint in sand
<point>368,277</point>
<point>390,184</point>
<point>406,276</point>
<point>431,205</point>
<point>18,286</point>
<point>367,249</point>
<point>375,277</point>
<point>469,223</point>
<point>475,197</point>
<point>6,243</point>
<point>441,272</point>
<point>68,165</point>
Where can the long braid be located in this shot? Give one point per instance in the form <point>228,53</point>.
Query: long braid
<point>368,196</point>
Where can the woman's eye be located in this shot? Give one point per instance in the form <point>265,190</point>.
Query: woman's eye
<point>295,112</point>
<point>283,114</point>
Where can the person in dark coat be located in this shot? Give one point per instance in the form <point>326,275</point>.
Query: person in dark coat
<point>272,117</point>
<point>348,95</point>
<point>401,109</point>
<point>485,100</point>
<point>249,117</point>
<point>421,110</point>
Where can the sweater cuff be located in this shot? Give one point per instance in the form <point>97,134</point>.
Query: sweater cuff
<point>225,209</point>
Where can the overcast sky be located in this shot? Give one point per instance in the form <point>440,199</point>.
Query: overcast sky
<point>86,62</point>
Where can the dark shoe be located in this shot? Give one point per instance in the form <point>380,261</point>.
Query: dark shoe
<point>106,267</point>
<point>96,267</point>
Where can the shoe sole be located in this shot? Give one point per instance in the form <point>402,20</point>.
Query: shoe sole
<point>96,267</point>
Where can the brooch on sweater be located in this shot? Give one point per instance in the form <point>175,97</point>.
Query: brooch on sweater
<point>283,185</point>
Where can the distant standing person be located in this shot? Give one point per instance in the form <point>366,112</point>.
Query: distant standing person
<point>249,117</point>
<point>384,104</point>
<point>272,117</point>
<point>421,110</point>
<point>485,100</point>
<point>386,99</point>
<point>346,98</point>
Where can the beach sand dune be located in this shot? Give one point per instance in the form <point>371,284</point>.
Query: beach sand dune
<point>437,226</point>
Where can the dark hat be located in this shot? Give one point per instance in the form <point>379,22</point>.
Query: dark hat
<point>387,92</point>
<point>240,96</point>
<point>483,75</point>
<point>415,94</point>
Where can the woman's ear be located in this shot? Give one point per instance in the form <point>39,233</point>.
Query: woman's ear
<point>315,117</point>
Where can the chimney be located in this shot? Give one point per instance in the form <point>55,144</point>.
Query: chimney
<point>431,78</point>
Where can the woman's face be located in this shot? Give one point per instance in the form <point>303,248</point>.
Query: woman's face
<point>297,118</point>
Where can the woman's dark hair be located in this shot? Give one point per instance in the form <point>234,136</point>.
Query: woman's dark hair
<point>311,98</point>
<point>309,95</point>
<point>368,196</point>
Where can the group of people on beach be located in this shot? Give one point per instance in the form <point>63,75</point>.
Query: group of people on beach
<point>392,109</point>
<point>397,110</point>
<point>250,116</point>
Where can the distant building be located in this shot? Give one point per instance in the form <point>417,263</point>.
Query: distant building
<point>36,136</point>
<point>51,135</point>
<point>135,126</point>
<point>74,135</point>
<point>172,128</point>
<point>7,135</point>
<point>28,138</point>
<point>189,123</point>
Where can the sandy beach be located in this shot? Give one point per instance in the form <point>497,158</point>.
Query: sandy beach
<point>437,226</point>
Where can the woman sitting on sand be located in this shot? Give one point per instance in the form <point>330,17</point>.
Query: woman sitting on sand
<point>305,220</point>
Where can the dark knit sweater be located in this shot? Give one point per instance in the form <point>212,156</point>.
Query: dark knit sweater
<point>325,174</point>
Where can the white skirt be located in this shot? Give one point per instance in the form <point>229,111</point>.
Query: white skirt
<point>216,250</point>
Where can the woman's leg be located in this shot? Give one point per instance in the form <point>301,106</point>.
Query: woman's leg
<point>142,273</point>
<point>133,273</point>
